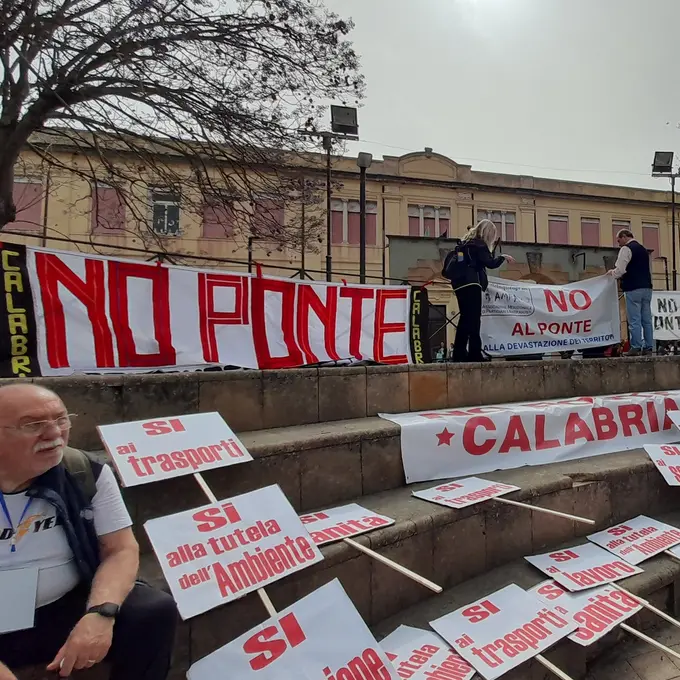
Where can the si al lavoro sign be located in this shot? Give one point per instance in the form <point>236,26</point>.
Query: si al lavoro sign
<point>146,451</point>
<point>320,636</point>
<point>342,522</point>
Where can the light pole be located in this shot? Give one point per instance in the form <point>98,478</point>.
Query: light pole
<point>364,161</point>
<point>663,167</point>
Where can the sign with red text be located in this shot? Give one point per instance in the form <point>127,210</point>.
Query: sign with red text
<point>97,314</point>
<point>148,450</point>
<point>637,539</point>
<point>583,566</point>
<point>596,611</point>
<point>464,492</point>
<point>342,522</point>
<point>528,318</point>
<point>218,553</point>
<point>320,636</point>
<point>666,457</point>
<point>421,655</point>
<point>503,630</point>
<point>460,442</point>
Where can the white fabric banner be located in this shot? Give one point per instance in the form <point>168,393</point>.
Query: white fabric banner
<point>471,441</point>
<point>666,314</point>
<point>527,318</point>
<point>342,522</point>
<point>322,636</point>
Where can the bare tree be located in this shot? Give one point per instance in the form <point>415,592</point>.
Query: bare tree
<point>201,101</point>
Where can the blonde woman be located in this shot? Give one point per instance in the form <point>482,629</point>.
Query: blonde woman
<point>465,267</point>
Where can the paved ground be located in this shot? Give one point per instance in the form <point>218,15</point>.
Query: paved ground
<point>636,660</point>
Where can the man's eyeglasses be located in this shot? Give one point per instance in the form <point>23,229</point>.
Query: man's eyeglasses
<point>39,426</point>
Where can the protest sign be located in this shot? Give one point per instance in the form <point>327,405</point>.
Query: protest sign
<point>464,492</point>
<point>462,442</point>
<point>527,318</point>
<point>583,566</point>
<point>342,522</point>
<point>220,552</point>
<point>666,314</point>
<point>320,636</point>
<point>596,611</point>
<point>421,655</point>
<point>637,539</point>
<point>666,457</point>
<point>499,632</point>
<point>148,450</point>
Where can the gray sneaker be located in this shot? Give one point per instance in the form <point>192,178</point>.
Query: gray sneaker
<point>647,352</point>
<point>633,352</point>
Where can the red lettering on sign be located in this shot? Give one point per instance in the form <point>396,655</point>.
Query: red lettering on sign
<point>128,357</point>
<point>652,416</point>
<point>563,556</point>
<point>668,406</point>
<point>578,300</point>
<point>53,273</point>
<point>605,426</point>
<point>480,612</point>
<point>357,296</point>
<point>214,518</point>
<point>327,314</point>
<point>382,328</point>
<point>268,648</point>
<point>631,415</point>
<point>469,432</point>
<point>541,442</point>
<point>156,427</point>
<point>576,429</point>
<point>619,531</point>
<point>516,436</point>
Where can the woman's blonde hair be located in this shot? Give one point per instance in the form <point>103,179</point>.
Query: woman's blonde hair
<point>484,230</point>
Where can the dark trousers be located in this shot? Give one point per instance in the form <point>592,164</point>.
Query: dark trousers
<point>143,635</point>
<point>468,344</point>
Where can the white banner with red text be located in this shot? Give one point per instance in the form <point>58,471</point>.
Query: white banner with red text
<point>470,441</point>
<point>527,318</point>
<point>70,312</point>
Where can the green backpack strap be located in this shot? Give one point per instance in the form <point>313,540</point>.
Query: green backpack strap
<point>79,465</point>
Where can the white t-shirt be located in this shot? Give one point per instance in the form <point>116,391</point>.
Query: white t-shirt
<point>41,542</point>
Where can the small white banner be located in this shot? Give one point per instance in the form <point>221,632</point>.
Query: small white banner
<point>583,566</point>
<point>421,655</point>
<point>321,636</point>
<point>529,318</point>
<point>464,492</point>
<point>462,442</point>
<point>148,450</point>
<point>666,314</point>
<point>499,632</point>
<point>219,553</point>
<point>667,460</point>
<point>342,522</point>
<point>596,611</point>
<point>637,539</point>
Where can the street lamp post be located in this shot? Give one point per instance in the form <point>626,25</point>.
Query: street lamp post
<point>364,161</point>
<point>663,167</point>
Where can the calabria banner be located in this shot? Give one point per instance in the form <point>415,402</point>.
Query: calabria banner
<point>70,312</point>
<point>526,318</point>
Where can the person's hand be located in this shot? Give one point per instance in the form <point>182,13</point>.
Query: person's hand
<point>610,272</point>
<point>87,645</point>
<point>510,259</point>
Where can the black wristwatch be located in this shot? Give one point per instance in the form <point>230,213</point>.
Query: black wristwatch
<point>108,610</point>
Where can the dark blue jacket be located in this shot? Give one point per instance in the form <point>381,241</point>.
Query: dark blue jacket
<point>638,273</point>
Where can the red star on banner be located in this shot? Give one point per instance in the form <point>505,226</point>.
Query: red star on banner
<point>445,438</point>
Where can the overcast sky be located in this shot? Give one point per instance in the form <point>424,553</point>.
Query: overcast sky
<point>577,89</point>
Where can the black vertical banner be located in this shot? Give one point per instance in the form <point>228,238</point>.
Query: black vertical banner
<point>18,334</point>
<point>420,315</point>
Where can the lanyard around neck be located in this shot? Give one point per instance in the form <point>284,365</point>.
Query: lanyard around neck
<point>5,510</point>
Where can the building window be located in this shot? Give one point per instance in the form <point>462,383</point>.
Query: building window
<point>617,225</point>
<point>650,238</point>
<point>268,218</point>
<point>346,222</point>
<point>108,210</point>
<point>504,221</point>
<point>590,231</point>
<point>429,221</point>
<point>218,220</point>
<point>28,199</point>
<point>165,212</point>
<point>558,229</point>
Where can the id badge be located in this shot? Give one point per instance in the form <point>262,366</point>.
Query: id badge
<point>18,591</point>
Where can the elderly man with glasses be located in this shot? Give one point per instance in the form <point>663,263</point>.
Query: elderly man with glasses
<point>68,557</point>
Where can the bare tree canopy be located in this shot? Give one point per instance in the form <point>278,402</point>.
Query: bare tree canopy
<point>192,94</point>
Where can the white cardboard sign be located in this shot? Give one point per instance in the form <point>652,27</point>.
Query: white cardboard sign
<point>637,539</point>
<point>320,636</point>
<point>148,450</point>
<point>464,492</point>
<point>596,611</point>
<point>667,461</point>
<point>218,553</point>
<point>583,566</point>
<point>421,655</point>
<point>342,522</point>
<point>503,630</point>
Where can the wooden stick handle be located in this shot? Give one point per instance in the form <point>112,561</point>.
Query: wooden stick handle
<point>649,606</point>
<point>394,565</point>
<point>538,508</point>
<point>670,554</point>
<point>213,499</point>
<point>552,667</point>
<point>651,641</point>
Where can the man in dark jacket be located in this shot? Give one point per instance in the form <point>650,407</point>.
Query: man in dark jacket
<point>634,271</point>
<point>69,561</point>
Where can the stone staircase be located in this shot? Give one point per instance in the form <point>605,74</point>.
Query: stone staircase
<point>314,432</point>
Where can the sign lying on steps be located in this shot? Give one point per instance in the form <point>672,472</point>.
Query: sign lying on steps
<point>344,521</point>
